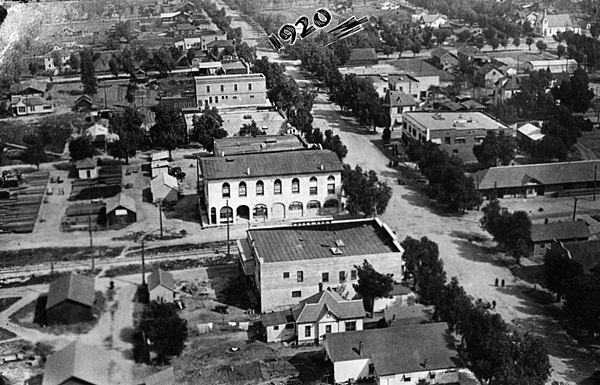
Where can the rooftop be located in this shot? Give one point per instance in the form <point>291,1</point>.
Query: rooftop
<point>560,21</point>
<point>159,277</point>
<point>270,164</point>
<point>587,253</point>
<point>73,287</point>
<point>342,238</point>
<point>262,143</point>
<point>397,350</point>
<point>542,173</point>
<point>120,200</point>
<point>531,131</point>
<point>398,98</point>
<point>86,163</point>
<point>77,360</point>
<point>164,377</point>
<point>221,43</point>
<point>559,231</point>
<point>464,120</point>
<point>227,78</point>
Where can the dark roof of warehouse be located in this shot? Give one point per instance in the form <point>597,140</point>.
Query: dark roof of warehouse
<point>72,287</point>
<point>559,231</point>
<point>85,362</point>
<point>271,164</point>
<point>162,278</point>
<point>348,238</point>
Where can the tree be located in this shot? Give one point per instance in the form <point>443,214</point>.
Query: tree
<point>423,260</point>
<point>57,60</point>
<point>512,231</point>
<point>81,148</point>
<point>33,67</point>
<point>550,148</point>
<point>516,42</point>
<point>540,45</point>
<point>207,128</point>
<point>581,301</point>
<point>415,47</point>
<point>74,61</point>
<point>34,152</point>
<point>387,134</point>
<point>372,284</point>
<point>560,50</point>
<point>128,126</point>
<point>130,92</point>
<point>170,130</point>
<point>366,193</point>
<point>163,61</point>
<point>245,52</point>
<point>559,268</point>
<point>2,156</point>
<point>494,43</point>
<point>479,42</point>
<point>529,41</point>
<point>334,143</point>
<point>250,129</point>
<point>166,331</point>
<point>113,66</point>
<point>88,72</point>
<point>494,149</point>
<point>454,304</point>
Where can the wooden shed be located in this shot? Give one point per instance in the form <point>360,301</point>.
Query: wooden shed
<point>161,286</point>
<point>70,299</point>
<point>120,210</point>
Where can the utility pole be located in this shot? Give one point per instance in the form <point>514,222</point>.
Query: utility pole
<point>228,208</point>
<point>143,264</point>
<point>595,167</point>
<point>91,242</point>
<point>575,208</point>
<point>160,217</point>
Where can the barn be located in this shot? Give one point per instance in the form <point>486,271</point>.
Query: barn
<point>78,363</point>
<point>120,210</point>
<point>161,286</point>
<point>70,299</point>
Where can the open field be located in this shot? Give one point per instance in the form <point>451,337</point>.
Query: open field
<point>23,257</point>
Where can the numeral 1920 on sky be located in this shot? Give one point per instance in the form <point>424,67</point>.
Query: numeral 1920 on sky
<point>288,32</point>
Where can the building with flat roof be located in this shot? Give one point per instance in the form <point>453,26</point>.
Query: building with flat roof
<point>394,355</point>
<point>223,91</point>
<point>555,66</point>
<point>237,145</point>
<point>285,264</point>
<point>273,185</point>
<point>455,132</point>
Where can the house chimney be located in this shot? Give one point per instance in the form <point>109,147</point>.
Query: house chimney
<point>248,171</point>
<point>360,348</point>
<point>320,287</point>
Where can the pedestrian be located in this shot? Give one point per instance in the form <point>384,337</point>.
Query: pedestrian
<point>493,304</point>
<point>502,283</point>
<point>496,282</point>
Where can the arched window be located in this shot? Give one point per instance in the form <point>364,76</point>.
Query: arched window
<point>277,187</point>
<point>330,185</point>
<point>226,190</point>
<point>313,205</point>
<point>226,214</point>
<point>260,188</point>
<point>295,186</point>
<point>242,189</point>
<point>296,206</point>
<point>313,186</point>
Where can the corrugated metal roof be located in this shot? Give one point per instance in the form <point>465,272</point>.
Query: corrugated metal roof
<point>295,243</point>
<point>73,287</point>
<point>271,164</point>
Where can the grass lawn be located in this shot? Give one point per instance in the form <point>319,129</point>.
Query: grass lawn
<point>23,257</point>
<point>6,334</point>
<point>7,302</point>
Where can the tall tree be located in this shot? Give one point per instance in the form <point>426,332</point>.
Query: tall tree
<point>169,131</point>
<point>529,41</point>
<point>207,128</point>
<point>74,61</point>
<point>560,268</point>
<point>81,148</point>
<point>423,260</point>
<point>494,149</point>
<point>34,152</point>
<point>366,193</point>
<point>334,143</point>
<point>372,284</point>
<point>512,231</point>
<point>88,72</point>
<point>128,126</point>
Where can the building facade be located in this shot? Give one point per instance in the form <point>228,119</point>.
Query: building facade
<point>455,132</point>
<point>285,264</point>
<point>231,90</point>
<point>268,186</point>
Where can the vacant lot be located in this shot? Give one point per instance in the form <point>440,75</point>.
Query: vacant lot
<point>271,121</point>
<point>22,257</point>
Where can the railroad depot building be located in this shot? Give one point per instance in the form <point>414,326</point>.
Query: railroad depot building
<point>265,186</point>
<point>283,265</point>
<point>455,132</point>
<point>223,91</point>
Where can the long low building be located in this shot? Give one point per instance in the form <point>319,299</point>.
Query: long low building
<point>539,179</point>
<point>285,264</point>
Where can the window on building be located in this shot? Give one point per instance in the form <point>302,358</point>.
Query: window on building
<point>353,274</point>
<point>222,88</point>
<point>407,378</point>
<point>216,99</point>
<point>342,276</point>
<point>460,140</point>
<point>300,276</point>
<point>260,188</point>
<point>226,191</point>
<point>324,277</point>
<point>277,187</point>
<point>479,139</point>
<point>327,329</point>
<point>31,108</point>
<point>235,87</point>
<point>210,99</point>
<point>251,96</point>
<point>307,330</point>
<point>313,186</point>
<point>242,189</point>
<point>296,294</point>
<point>295,206</point>
<point>313,205</point>
<point>276,327</point>
<point>295,186</point>
<point>21,109</point>
<point>235,97</point>
<point>330,185</point>
<point>350,326</point>
<point>249,86</point>
<point>286,274</point>
<point>447,140</point>
<point>371,369</point>
<point>207,89</point>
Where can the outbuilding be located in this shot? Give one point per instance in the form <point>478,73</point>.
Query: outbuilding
<point>164,188</point>
<point>161,286</point>
<point>120,210</point>
<point>78,363</point>
<point>70,299</point>
<point>87,168</point>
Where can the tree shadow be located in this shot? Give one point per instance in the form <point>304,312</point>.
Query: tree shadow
<point>477,253</point>
<point>533,274</point>
<point>229,288</point>
<point>126,334</point>
<point>186,209</point>
<point>531,302</point>
<point>147,195</point>
<point>311,366</point>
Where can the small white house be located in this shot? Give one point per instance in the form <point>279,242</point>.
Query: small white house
<point>87,168</point>
<point>161,286</point>
<point>164,187</point>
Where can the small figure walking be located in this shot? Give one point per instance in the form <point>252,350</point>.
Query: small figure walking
<point>493,304</point>
<point>496,282</point>
<point>502,283</point>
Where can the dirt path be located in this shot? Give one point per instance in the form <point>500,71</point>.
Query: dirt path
<point>410,213</point>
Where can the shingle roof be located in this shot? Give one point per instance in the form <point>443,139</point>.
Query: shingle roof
<point>277,318</point>
<point>33,101</point>
<point>440,52</point>
<point>295,243</point>
<point>398,99</point>
<point>418,67</point>
<point>472,105</point>
<point>398,350</point>
<point>359,54</point>
<point>402,313</point>
<point>587,253</point>
<point>72,287</point>
<point>160,277</point>
<point>32,83</point>
<point>164,377</point>
<point>431,18</point>
<point>120,200</point>
<point>560,21</point>
<point>86,163</point>
<point>77,360</point>
<point>163,179</point>
<point>559,231</point>
<point>271,164</point>
<point>543,173</point>
<point>468,51</point>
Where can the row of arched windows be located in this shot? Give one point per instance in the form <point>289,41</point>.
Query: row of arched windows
<point>277,190</point>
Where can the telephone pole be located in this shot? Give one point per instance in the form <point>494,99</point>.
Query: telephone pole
<point>595,167</point>
<point>143,264</point>
<point>575,208</point>
<point>91,242</point>
<point>228,208</point>
<point>160,217</point>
